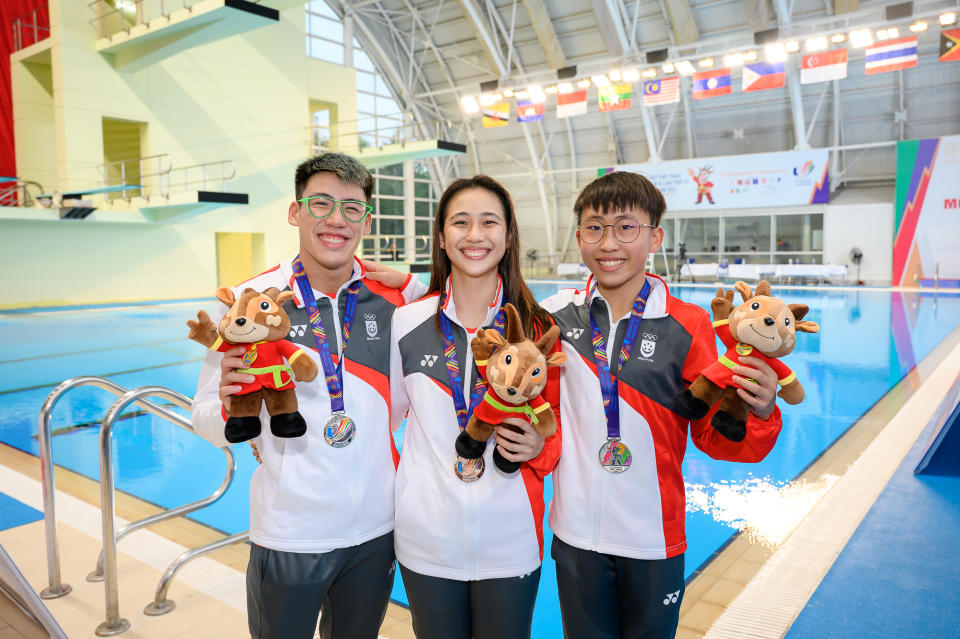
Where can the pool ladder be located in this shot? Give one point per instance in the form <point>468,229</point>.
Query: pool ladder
<point>106,569</point>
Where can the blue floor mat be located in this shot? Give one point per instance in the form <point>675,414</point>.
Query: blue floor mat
<point>15,513</point>
<point>897,577</point>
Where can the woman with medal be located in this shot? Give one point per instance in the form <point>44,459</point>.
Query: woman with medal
<point>618,506</point>
<point>468,537</point>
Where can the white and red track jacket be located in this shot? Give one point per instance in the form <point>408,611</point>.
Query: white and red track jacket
<point>638,513</point>
<point>487,529</point>
<point>308,496</point>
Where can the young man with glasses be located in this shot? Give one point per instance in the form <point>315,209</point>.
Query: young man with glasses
<point>617,512</point>
<point>322,504</point>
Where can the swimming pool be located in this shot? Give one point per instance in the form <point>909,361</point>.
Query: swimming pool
<point>869,340</point>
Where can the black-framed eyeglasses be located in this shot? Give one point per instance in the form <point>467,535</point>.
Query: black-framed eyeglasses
<point>625,231</point>
<point>320,206</point>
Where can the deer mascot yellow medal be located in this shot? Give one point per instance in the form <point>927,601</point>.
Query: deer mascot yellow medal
<point>762,326</point>
<point>515,368</point>
<point>257,321</point>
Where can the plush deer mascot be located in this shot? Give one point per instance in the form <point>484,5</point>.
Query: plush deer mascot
<point>515,368</point>
<point>257,321</point>
<point>763,327</point>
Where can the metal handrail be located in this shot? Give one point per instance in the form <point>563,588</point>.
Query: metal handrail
<point>114,624</point>
<point>98,574</point>
<point>160,604</point>
<point>37,28</point>
<point>56,587</point>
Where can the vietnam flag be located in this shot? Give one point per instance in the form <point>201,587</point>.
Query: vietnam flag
<point>950,45</point>
<point>707,84</point>
<point>615,97</point>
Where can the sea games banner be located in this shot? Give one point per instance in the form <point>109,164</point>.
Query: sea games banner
<point>926,240</point>
<point>740,181</point>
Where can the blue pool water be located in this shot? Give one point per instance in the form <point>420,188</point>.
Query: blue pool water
<point>869,340</point>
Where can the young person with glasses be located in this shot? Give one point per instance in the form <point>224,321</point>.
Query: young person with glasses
<point>618,505</point>
<point>321,504</point>
<point>469,537</point>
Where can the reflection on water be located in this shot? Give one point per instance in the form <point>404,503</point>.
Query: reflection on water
<point>765,510</point>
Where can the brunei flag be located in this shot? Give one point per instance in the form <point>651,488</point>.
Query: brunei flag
<point>496,115</point>
<point>950,45</point>
<point>615,97</point>
<point>707,84</point>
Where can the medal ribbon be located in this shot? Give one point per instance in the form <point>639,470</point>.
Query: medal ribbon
<point>332,374</point>
<point>609,380</point>
<point>453,368</point>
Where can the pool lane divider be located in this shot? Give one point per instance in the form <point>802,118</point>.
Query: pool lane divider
<point>53,385</point>
<point>773,599</point>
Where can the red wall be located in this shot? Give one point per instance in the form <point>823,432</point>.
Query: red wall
<point>10,10</point>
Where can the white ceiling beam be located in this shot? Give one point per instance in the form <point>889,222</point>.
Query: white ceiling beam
<point>681,19</point>
<point>758,14</point>
<point>472,13</point>
<point>611,26</point>
<point>540,20</point>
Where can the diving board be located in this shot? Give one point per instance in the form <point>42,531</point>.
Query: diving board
<point>77,194</point>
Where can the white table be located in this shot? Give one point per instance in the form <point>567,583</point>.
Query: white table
<point>818,272</point>
<point>572,270</point>
<point>704,271</point>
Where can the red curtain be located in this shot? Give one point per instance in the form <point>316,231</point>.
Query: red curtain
<point>10,10</point>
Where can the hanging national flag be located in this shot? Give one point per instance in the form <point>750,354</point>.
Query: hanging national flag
<point>891,55</point>
<point>950,45</point>
<point>496,115</point>
<point>707,84</point>
<point>615,97</point>
<point>763,75</point>
<point>820,67</point>
<point>571,104</point>
<point>529,111</point>
<point>664,91</point>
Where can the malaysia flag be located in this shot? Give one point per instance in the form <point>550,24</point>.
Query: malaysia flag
<point>665,91</point>
<point>763,75</point>
<point>891,55</point>
<point>820,67</point>
<point>707,84</point>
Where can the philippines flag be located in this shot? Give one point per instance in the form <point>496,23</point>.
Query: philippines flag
<point>665,91</point>
<point>529,111</point>
<point>820,67</point>
<point>763,75</point>
<point>891,55</point>
<point>707,84</point>
<point>571,104</point>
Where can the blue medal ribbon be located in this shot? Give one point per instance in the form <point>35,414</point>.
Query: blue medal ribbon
<point>453,368</point>
<point>609,380</point>
<point>332,374</point>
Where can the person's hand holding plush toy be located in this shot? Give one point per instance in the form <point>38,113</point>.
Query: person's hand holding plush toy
<point>257,322</point>
<point>762,327</point>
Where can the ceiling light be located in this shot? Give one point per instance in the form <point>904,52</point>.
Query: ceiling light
<point>775,52</point>
<point>650,73</point>
<point>550,90</point>
<point>565,87</point>
<point>535,91</point>
<point>668,68</point>
<point>521,95</point>
<point>487,99</point>
<point>600,80</point>
<point>631,75</point>
<point>469,104</point>
<point>732,60</point>
<point>749,56</point>
<point>838,38</point>
<point>892,33</point>
<point>946,19</point>
<point>685,67</point>
<point>705,63</point>
<point>614,75</point>
<point>583,84</point>
<point>860,38</point>
<point>817,44</point>
<point>508,93</point>
<point>793,46</point>
<point>917,27</point>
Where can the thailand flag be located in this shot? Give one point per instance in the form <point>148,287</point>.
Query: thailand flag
<point>892,55</point>
<point>707,84</point>
<point>763,75</point>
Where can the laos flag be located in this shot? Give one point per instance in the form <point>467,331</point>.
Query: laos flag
<point>707,84</point>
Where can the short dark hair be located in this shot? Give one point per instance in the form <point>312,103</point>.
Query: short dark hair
<point>619,191</point>
<point>347,168</point>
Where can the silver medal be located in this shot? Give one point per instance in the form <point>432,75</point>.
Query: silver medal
<point>615,457</point>
<point>339,430</point>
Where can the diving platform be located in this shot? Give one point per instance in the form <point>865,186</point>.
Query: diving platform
<point>153,38</point>
<point>374,157</point>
